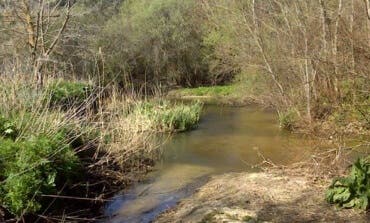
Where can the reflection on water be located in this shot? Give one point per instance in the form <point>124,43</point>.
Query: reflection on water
<point>228,139</point>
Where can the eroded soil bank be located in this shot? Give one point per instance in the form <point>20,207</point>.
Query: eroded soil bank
<point>259,197</point>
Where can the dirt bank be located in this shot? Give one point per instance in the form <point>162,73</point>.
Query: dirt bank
<point>259,197</point>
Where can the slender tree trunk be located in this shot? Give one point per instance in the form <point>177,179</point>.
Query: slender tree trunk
<point>335,48</point>
<point>324,28</point>
<point>367,8</point>
<point>351,24</point>
<point>307,78</point>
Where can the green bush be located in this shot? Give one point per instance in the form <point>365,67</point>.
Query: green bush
<point>353,190</point>
<point>32,167</point>
<point>68,93</point>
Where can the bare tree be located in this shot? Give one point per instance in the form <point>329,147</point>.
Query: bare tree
<point>34,22</point>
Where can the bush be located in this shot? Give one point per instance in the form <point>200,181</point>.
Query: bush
<point>352,191</point>
<point>33,167</point>
<point>68,93</point>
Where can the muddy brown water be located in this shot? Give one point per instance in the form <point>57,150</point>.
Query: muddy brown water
<point>228,139</point>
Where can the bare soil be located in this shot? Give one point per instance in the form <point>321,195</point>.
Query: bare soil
<point>259,197</point>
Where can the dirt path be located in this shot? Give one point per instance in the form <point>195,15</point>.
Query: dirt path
<point>259,197</point>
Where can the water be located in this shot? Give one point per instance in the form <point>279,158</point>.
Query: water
<point>228,139</point>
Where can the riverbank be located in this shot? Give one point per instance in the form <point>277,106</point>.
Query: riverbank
<point>327,122</point>
<point>272,196</point>
<point>72,145</point>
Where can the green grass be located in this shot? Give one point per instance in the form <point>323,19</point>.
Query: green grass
<point>212,91</point>
<point>171,117</point>
<point>288,119</point>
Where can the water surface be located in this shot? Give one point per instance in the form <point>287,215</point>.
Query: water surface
<point>228,139</point>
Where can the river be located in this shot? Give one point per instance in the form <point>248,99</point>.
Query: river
<point>228,139</point>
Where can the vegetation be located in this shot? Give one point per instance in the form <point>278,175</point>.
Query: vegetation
<point>68,93</point>
<point>30,168</point>
<point>353,190</point>
<point>214,91</point>
<point>45,149</point>
<point>306,59</point>
<point>175,117</point>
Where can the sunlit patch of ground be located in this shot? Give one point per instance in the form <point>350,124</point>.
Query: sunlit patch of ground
<point>259,197</point>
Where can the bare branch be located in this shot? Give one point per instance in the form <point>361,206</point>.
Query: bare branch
<point>61,30</point>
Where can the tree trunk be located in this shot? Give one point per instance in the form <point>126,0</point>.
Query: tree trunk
<point>335,50</point>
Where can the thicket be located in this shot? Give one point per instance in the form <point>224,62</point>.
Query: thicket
<point>155,40</point>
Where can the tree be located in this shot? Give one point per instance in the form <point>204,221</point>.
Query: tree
<point>34,23</point>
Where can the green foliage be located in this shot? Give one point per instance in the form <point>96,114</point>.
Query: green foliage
<point>159,38</point>
<point>33,167</point>
<point>67,93</point>
<point>288,119</point>
<point>352,191</point>
<point>8,128</point>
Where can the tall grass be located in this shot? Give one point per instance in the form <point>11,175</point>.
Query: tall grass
<point>47,145</point>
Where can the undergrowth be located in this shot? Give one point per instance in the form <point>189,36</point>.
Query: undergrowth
<point>352,191</point>
<point>43,148</point>
<point>69,93</point>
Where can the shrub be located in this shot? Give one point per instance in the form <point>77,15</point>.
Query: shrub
<point>33,167</point>
<point>68,93</point>
<point>353,190</point>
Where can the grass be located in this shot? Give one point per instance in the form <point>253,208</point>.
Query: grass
<point>42,147</point>
<point>226,94</point>
<point>211,91</point>
<point>170,117</point>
